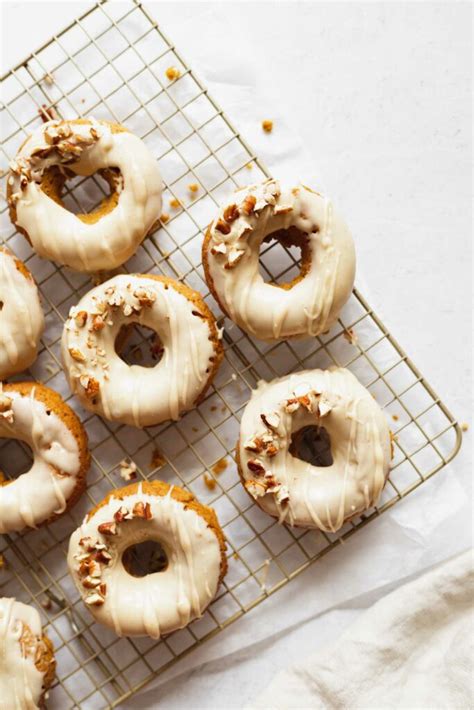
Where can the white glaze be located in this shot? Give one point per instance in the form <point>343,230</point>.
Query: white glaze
<point>21,683</point>
<point>319,497</point>
<point>261,309</point>
<point>58,234</point>
<point>21,317</point>
<point>44,490</point>
<point>130,393</point>
<point>161,602</point>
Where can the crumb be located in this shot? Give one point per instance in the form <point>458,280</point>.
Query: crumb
<point>157,459</point>
<point>249,166</point>
<point>213,408</point>
<point>195,428</point>
<point>464,426</point>
<point>209,481</point>
<point>164,218</point>
<point>46,603</point>
<point>223,409</point>
<point>234,376</point>
<point>220,466</point>
<point>48,79</point>
<point>267,125</point>
<point>3,562</point>
<point>235,556</point>
<point>172,73</point>
<point>128,469</point>
<point>83,101</point>
<point>350,336</point>
<point>193,187</point>
<point>395,417</point>
<point>174,203</point>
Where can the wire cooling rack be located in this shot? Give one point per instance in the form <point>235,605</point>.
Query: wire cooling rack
<point>111,63</point>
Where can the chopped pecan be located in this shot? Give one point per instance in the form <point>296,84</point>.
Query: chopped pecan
<point>80,319</point>
<point>94,599</point>
<point>234,257</point>
<point>122,514</point>
<point>90,582</point>
<point>219,248</point>
<point>249,204</point>
<point>142,510</point>
<point>92,388</point>
<point>98,323</point>
<point>231,213</point>
<point>77,355</point>
<point>255,488</point>
<point>254,444</point>
<point>271,420</point>
<point>108,528</point>
<point>271,450</point>
<point>222,227</point>
<point>256,466</point>
<point>103,556</point>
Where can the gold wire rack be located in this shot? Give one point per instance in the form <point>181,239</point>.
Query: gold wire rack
<point>110,63</point>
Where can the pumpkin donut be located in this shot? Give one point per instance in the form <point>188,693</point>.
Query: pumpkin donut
<point>27,664</point>
<point>156,604</point>
<point>103,239</point>
<point>21,316</point>
<point>311,302</point>
<point>37,415</point>
<point>131,394</point>
<point>298,492</point>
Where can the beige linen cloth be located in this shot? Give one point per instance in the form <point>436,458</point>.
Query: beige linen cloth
<point>412,650</point>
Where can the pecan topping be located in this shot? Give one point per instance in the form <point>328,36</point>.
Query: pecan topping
<point>249,204</point>
<point>222,227</point>
<point>5,403</point>
<point>142,510</point>
<point>234,257</point>
<point>282,495</point>
<point>103,556</point>
<point>77,355</point>
<point>94,599</point>
<point>255,488</point>
<point>92,388</point>
<point>256,466</point>
<point>90,582</point>
<point>108,528</point>
<point>271,420</point>
<point>122,514</point>
<point>219,248</point>
<point>231,213</point>
<point>98,323</point>
<point>80,319</point>
<point>255,444</point>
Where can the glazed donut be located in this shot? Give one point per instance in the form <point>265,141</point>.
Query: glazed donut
<point>21,316</point>
<point>136,395</point>
<point>164,600</point>
<point>311,302</point>
<point>289,488</point>
<point>27,664</point>
<point>33,413</point>
<point>103,239</point>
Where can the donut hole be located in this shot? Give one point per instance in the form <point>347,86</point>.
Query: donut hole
<point>284,257</point>
<point>138,345</point>
<point>145,558</point>
<point>16,458</point>
<point>312,444</point>
<point>88,198</point>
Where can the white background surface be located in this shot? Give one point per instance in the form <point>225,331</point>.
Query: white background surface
<point>371,104</point>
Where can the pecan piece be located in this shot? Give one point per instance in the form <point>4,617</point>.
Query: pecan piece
<point>94,599</point>
<point>255,488</point>
<point>142,510</point>
<point>108,528</point>
<point>231,213</point>
<point>256,466</point>
<point>222,227</point>
<point>249,204</point>
<point>92,388</point>
<point>77,355</point>
<point>271,420</point>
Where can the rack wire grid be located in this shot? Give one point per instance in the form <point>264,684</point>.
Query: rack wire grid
<point>110,63</point>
